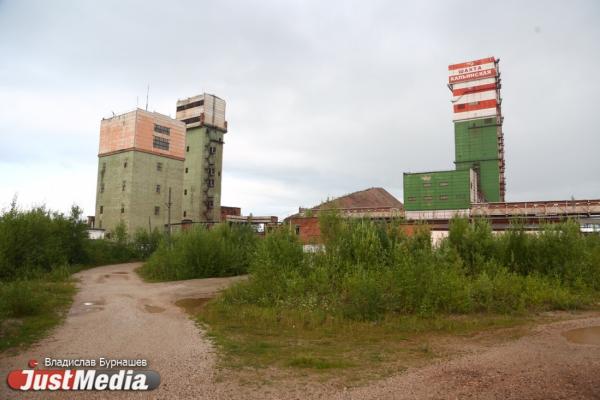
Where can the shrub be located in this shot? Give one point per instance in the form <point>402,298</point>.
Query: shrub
<point>202,253</point>
<point>370,269</point>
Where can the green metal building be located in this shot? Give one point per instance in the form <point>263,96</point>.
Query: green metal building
<point>440,190</point>
<point>478,146</point>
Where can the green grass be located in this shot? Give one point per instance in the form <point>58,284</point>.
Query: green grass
<point>29,309</point>
<point>260,338</point>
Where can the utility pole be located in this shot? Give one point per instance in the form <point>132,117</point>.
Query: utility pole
<point>169,216</point>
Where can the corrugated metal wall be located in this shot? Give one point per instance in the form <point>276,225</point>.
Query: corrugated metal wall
<point>440,190</point>
<point>476,146</point>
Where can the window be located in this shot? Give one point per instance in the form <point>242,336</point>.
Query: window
<point>211,171</point>
<point>159,166</point>
<point>101,209</point>
<point>191,105</point>
<point>191,120</point>
<point>184,214</point>
<point>412,198</point>
<point>160,143</point>
<point>213,150</point>
<point>297,229</point>
<point>427,184</point>
<point>157,188</point>
<point>122,209</point>
<point>185,192</point>
<point>102,188</point>
<point>123,186</point>
<point>443,197</point>
<point>443,183</point>
<point>210,203</point>
<point>211,183</point>
<point>156,210</point>
<point>219,173</point>
<point>427,198</point>
<point>186,170</point>
<point>187,149</point>
<point>162,129</point>
<point>125,164</point>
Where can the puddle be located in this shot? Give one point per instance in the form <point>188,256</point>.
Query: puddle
<point>153,309</point>
<point>192,305</point>
<point>100,302</point>
<point>589,335</point>
<point>121,272</point>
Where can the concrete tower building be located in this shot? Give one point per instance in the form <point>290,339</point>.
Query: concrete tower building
<point>204,119</point>
<point>141,157</point>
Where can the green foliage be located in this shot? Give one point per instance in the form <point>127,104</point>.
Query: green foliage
<point>30,307</point>
<point>202,253</point>
<point>39,240</point>
<point>145,243</point>
<point>369,270</point>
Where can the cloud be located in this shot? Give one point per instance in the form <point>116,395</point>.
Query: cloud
<point>323,98</point>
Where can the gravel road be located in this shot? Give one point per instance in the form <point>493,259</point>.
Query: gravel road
<point>116,315</point>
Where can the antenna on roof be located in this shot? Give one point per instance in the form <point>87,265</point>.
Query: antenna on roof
<point>147,93</point>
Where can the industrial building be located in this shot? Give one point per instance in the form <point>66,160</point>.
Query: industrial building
<point>372,203</point>
<point>204,119</point>
<point>475,188</point>
<point>140,162</point>
<point>479,146</point>
<point>155,171</point>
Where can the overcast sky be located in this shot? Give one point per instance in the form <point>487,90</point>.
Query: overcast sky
<point>323,97</point>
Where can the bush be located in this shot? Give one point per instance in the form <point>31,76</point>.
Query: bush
<point>202,253</point>
<point>370,269</point>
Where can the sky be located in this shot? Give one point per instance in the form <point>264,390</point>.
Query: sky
<point>323,97</point>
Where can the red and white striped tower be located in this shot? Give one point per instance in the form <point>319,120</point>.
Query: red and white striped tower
<point>475,87</point>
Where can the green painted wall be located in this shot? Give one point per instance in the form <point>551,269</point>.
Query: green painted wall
<point>140,197</point>
<point>198,160</point>
<point>476,140</point>
<point>440,190</point>
<point>476,146</point>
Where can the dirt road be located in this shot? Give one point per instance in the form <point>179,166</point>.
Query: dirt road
<point>116,315</point>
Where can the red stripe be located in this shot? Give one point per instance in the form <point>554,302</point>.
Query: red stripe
<point>471,63</point>
<point>472,76</point>
<point>474,89</point>
<point>479,105</point>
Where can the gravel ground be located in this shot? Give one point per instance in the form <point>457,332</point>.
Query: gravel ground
<point>132,319</point>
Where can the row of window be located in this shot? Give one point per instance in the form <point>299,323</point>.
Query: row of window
<point>156,210</point>
<point>441,197</point>
<point>162,129</point>
<point>428,184</point>
<point>191,105</point>
<point>211,183</point>
<point>209,204</point>
<point>160,143</point>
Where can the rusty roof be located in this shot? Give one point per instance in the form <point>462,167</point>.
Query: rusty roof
<point>368,198</point>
